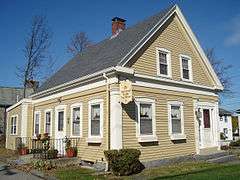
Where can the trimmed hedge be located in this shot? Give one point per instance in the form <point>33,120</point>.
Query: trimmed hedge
<point>124,162</point>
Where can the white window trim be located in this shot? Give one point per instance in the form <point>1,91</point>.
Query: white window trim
<point>95,139</point>
<point>51,122</point>
<point>59,109</point>
<point>169,64</point>
<point>39,113</point>
<point>14,134</point>
<point>146,138</point>
<point>189,66</point>
<point>180,135</point>
<point>80,105</point>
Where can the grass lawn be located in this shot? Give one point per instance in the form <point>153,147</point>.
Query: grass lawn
<point>184,171</point>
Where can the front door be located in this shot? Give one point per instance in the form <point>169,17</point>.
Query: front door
<point>205,127</point>
<point>60,131</point>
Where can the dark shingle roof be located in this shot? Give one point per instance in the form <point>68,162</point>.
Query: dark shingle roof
<point>223,112</point>
<point>108,53</point>
<point>10,95</point>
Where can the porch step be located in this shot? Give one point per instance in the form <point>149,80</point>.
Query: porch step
<point>223,159</point>
<point>212,155</point>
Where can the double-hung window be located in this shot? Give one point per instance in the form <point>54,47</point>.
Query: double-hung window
<point>95,129</point>
<point>163,62</point>
<point>186,67</point>
<point>13,125</point>
<point>76,126</point>
<point>60,120</point>
<point>37,123</point>
<point>176,120</point>
<point>48,118</point>
<point>146,123</point>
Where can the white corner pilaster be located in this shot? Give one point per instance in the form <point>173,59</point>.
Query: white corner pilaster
<point>24,120</point>
<point>217,128</point>
<point>115,120</point>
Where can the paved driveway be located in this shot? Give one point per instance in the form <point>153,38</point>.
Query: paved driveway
<point>14,174</point>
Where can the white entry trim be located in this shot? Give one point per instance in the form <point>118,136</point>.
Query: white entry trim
<point>58,109</point>
<point>214,124</point>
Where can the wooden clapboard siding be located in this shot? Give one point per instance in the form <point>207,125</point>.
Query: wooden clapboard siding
<point>174,38</point>
<point>86,151</point>
<point>10,143</point>
<point>164,148</point>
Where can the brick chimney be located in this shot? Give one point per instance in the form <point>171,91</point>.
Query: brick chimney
<point>118,25</point>
<point>32,84</point>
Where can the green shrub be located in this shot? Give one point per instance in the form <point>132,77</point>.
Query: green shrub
<point>223,136</point>
<point>124,161</point>
<point>37,151</point>
<point>42,165</point>
<point>52,153</point>
<point>235,143</point>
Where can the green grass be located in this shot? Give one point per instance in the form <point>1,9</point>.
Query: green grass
<point>76,173</point>
<point>183,171</point>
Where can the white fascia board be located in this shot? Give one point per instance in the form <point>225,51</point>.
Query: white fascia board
<point>19,103</point>
<point>185,83</point>
<point>67,84</point>
<point>126,70</point>
<point>199,48</point>
<point>173,88</point>
<point>76,90</point>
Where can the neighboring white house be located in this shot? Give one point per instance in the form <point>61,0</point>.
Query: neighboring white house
<point>225,126</point>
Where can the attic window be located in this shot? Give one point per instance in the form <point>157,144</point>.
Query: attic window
<point>186,67</point>
<point>163,62</point>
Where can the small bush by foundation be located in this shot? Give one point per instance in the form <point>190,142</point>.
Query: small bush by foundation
<point>124,162</point>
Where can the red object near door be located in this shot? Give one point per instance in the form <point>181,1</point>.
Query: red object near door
<point>206,118</point>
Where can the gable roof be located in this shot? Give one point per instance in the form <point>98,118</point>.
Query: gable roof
<point>105,54</point>
<point>117,51</point>
<point>11,95</point>
<point>223,112</point>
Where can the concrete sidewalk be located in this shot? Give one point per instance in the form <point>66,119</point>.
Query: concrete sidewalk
<point>7,173</point>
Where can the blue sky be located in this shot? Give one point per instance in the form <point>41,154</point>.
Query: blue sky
<point>216,24</point>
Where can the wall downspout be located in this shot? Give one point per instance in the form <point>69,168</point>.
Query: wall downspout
<point>107,115</point>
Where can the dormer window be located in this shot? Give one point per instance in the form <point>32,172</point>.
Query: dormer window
<point>186,68</point>
<point>163,62</point>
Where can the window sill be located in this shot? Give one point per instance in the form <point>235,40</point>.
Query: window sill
<point>143,139</point>
<point>178,136</point>
<point>186,80</point>
<point>96,140</point>
<point>161,76</point>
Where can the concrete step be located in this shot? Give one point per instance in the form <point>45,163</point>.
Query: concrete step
<point>223,159</point>
<point>212,155</point>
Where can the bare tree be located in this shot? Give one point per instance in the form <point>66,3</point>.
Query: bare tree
<point>221,70</point>
<point>35,50</point>
<point>79,42</point>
